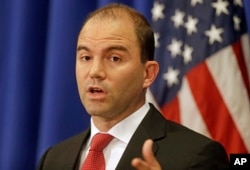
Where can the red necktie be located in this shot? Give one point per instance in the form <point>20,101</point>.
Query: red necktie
<point>95,158</point>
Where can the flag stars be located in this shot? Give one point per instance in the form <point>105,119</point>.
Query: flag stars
<point>171,76</point>
<point>175,48</point>
<point>214,34</point>
<point>238,2</point>
<point>178,18</point>
<point>220,7</point>
<point>157,11</point>
<point>190,25</point>
<point>187,54</point>
<point>194,2</point>
<point>237,22</point>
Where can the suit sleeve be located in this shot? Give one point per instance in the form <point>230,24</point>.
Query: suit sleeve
<point>211,156</point>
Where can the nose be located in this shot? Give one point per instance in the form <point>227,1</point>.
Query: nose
<point>97,69</point>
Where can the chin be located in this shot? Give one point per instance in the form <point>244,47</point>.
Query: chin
<point>97,108</point>
<point>96,111</point>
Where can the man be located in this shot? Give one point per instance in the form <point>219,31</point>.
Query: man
<point>114,68</point>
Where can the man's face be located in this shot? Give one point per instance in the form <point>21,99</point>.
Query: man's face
<point>109,72</point>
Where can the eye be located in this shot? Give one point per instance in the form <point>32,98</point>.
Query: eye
<point>85,58</point>
<point>115,59</point>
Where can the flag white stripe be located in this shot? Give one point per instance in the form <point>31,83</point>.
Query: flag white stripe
<point>227,76</point>
<point>189,112</point>
<point>150,98</point>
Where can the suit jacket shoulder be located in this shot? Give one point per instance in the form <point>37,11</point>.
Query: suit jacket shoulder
<point>64,155</point>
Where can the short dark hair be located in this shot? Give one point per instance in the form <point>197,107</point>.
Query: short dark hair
<point>143,30</point>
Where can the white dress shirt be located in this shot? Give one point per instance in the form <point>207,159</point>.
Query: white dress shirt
<point>122,133</point>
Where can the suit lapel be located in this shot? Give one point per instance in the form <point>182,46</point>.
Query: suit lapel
<point>74,151</point>
<point>144,131</point>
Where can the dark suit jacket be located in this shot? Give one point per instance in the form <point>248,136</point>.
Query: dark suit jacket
<point>176,147</point>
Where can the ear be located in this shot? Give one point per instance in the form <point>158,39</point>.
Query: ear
<point>151,72</point>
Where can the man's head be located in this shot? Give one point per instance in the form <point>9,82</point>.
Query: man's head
<point>113,71</point>
<point>142,28</point>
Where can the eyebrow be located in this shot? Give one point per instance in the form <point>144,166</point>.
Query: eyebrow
<point>116,47</point>
<point>79,48</point>
<point>113,47</point>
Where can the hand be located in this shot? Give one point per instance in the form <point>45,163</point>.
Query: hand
<point>149,162</point>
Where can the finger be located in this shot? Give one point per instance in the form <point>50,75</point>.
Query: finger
<point>149,162</point>
<point>140,164</point>
<point>148,155</point>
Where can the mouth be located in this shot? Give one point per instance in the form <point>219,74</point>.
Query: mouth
<point>96,92</point>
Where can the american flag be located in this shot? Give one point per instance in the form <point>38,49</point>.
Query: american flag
<point>202,47</point>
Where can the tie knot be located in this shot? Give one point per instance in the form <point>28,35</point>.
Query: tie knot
<point>100,141</point>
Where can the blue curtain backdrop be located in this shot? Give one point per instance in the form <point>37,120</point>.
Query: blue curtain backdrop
<point>39,102</point>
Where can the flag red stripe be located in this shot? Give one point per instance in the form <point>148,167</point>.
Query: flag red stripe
<point>171,110</point>
<point>213,109</point>
<point>237,48</point>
